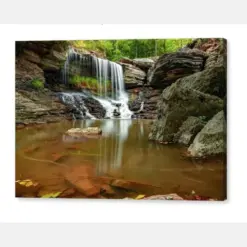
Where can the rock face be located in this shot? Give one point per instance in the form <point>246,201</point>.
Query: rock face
<point>144,102</point>
<point>211,80</point>
<point>35,58</point>
<point>143,63</point>
<point>79,104</point>
<point>173,66</point>
<point>38,107</point>
<point>188,130</point>
<point>211,139</point>
<point>193,98</point>
<point>133,76</point>
<point>177,103</point>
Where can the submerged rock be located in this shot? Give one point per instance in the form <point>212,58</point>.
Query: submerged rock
<point>211,140</point>
<point>164,197</point>
<point>84,131</point>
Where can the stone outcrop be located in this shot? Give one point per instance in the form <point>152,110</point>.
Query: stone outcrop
<point>143,63</point>
<point>172,66</point>
<point>144,102</point>
<point>35,58</point>
<point>188,130</point>
<point>79,104</point>
<point>189,103</point>
<point>211,139</point>
<point>133,76</point>
<point>177,103</point>
<point>38,107</point>
<point>211,80</point>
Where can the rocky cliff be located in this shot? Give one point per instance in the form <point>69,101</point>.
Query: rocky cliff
<point>192,100</point>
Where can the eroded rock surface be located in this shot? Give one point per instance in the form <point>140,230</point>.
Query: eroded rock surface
<point>211,139</point>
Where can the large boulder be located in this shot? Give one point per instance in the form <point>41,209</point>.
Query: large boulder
<point>211,80</point>
<point>211,140</point>
<point>143,63</point>
<point>133,76</point>
<point>172,66</point>
<point>188,130</point>
<point>177,103</point>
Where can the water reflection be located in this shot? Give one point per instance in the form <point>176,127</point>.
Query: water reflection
<point>111,147</point>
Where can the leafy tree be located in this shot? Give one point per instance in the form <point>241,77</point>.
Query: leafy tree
<point>136,48</point>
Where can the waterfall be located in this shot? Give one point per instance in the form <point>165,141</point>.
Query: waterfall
<point>111,92</point>
<point>76,102</point>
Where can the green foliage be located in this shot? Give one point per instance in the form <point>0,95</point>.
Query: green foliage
<point>137,48</point>
<point>37,84</point>
<point>88,82</point>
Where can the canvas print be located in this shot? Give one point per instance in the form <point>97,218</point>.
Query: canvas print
<point>139,119</point>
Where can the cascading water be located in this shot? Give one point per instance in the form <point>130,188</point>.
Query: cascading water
<point>75,100</point>
<point>110,83</point>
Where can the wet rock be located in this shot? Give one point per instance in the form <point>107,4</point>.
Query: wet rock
<point>68,193</point>
<point>31,149</point>
<point>59,157</point>
<point>211,140</point>
<point>85,186</point>
<point>80,178</point>
<point>84,131</point>
<point>188,130</point>
<point>135,186</point>
<point>176,104</point>
<point>107,189</point>
<point>164,197</point>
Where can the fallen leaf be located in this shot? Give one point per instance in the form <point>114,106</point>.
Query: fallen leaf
<point>140,197</point>
<point>27,182</point>
<point>51,195</point>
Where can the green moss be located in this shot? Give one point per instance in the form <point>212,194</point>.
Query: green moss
<point>37,84</point>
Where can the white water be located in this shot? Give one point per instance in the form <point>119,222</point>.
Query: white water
<point>113,100</point>
<point>75,99</point>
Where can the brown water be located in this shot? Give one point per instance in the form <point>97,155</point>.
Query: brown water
<point>123,151</point>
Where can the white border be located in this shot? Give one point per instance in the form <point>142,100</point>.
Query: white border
<point>31,210</point>
<point>119,11</point>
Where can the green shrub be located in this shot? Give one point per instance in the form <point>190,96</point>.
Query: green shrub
<point>88,82</point>
<point>76,80</point>
<point>37,84</point>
